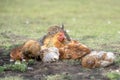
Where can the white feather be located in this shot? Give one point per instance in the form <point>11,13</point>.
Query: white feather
<point>51,55</point>
<point>109,58</point>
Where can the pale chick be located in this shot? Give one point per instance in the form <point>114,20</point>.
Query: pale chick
<point>49,54</point>
<point>108,59</point>
<point>98,59</point>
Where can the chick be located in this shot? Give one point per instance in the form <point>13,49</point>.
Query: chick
<point>98,59</point>
<point>50,54</point>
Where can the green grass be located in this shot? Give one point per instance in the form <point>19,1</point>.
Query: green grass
<point>62,76</point>
<point>94,23</point>
<point>113,76</point>
<point>12,78</point>
<point>17,66</point>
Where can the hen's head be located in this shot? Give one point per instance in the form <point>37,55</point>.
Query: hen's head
<point>60,36</point>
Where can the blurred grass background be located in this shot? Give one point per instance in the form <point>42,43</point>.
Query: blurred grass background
<point>94,23</point>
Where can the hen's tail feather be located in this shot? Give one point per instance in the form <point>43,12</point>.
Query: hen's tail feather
<point>67,36</point>
<point>41,40</point>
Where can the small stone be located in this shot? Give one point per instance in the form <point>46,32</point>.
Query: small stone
<point>30,68</point>
<point>117,71</point>
<point>11,60</point>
